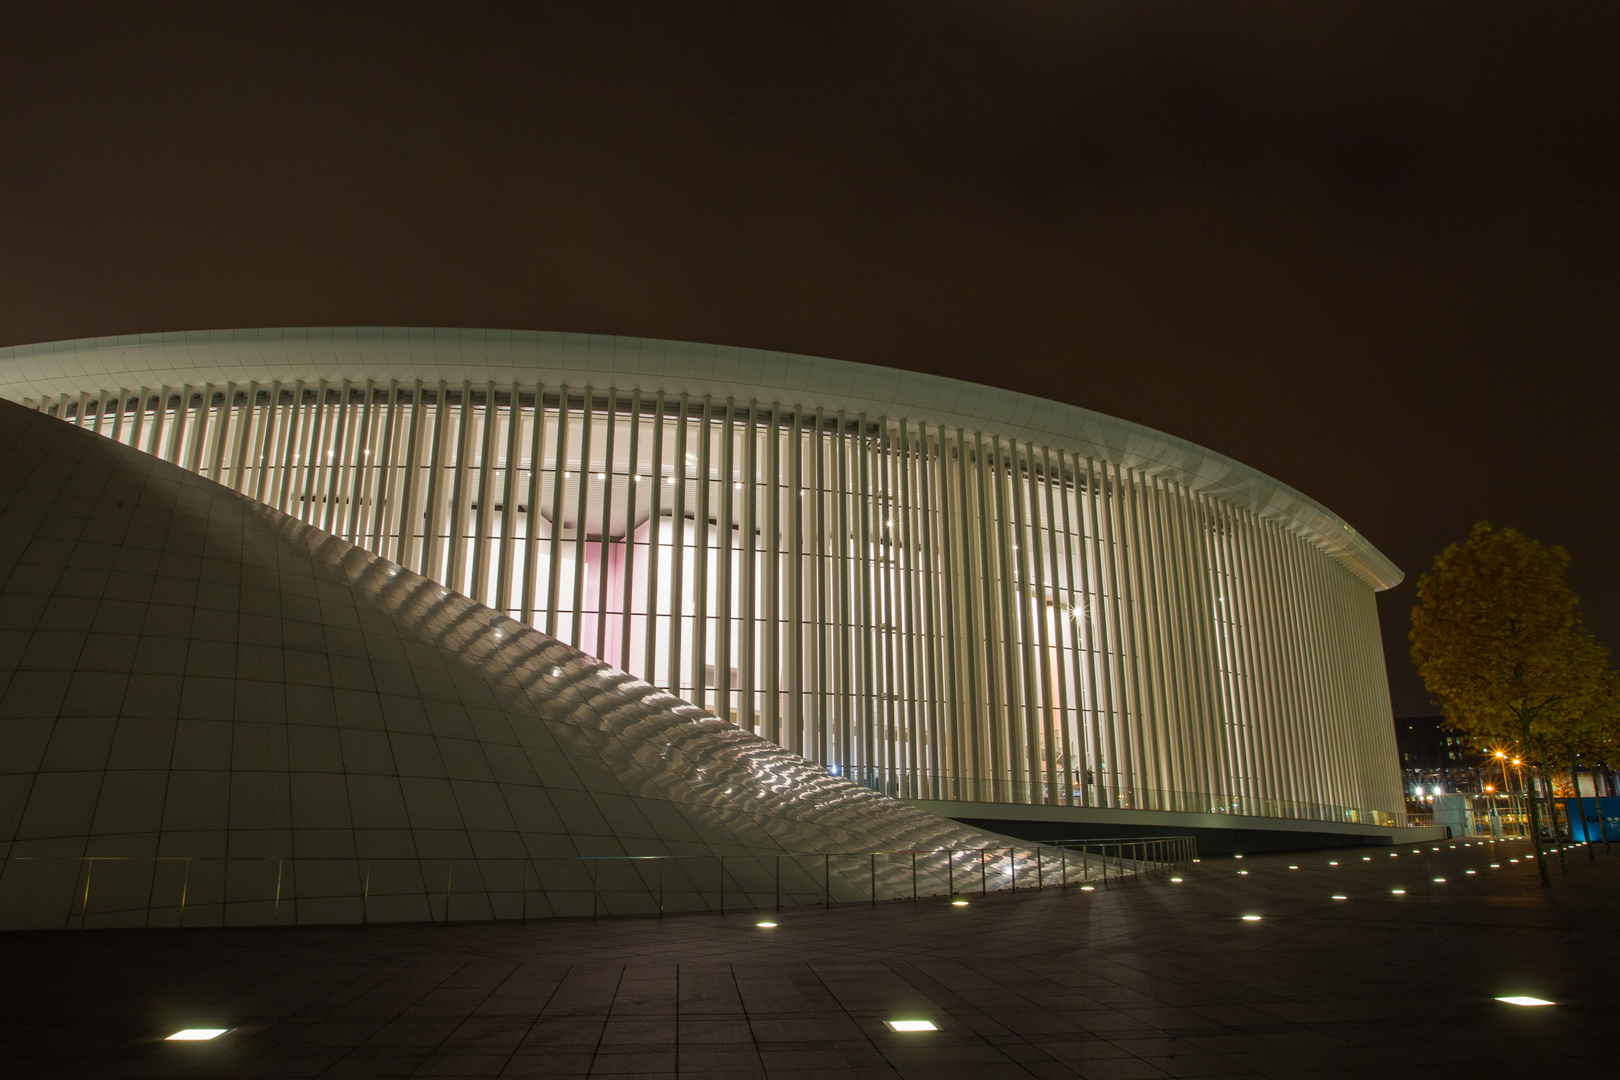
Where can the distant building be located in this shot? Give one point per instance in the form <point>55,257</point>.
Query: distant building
<point>1433,757</point>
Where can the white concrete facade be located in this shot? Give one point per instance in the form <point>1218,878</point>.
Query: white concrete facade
<point>941,590</point>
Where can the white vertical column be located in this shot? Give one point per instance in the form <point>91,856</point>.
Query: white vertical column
<point>789,735</point>
<point>559,477</point>
<point>677,583</point>
<point>634,488</point>
<point>605,528</point>
<point>704,553</point>
<point>724,594</point>
<point>486,427</point>
<point>531,524</point>
<point>582,475</point>
<point>748,555</point>
<point>506,599</point>
<point>655,532</point>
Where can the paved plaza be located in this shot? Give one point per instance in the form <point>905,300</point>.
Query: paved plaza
<point>1149,978</point>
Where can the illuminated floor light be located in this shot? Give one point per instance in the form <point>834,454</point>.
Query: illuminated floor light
<point>196,1034</point>
<point>1243,871</point>
<point>1468,871</point>
<point>1175,879</point>
<point>1513,860</point>
<point>1519,999</point>
<point>1439,881</point>
<point>911,1025</point>
<point>1496,866</point>
<point>1293,868</point>
<point>1334,863</point>
<point>766,925</point>
<point>1088,888</point>
<point>1398,892</point>
<point>1251,918</point>
<point>964,903</point>
<point>1340,898</point>
<point>1366,858</point>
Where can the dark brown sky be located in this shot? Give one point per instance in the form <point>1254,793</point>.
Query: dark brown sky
<point>1367,248</point>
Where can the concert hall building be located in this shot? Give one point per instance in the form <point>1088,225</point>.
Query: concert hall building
<point>944,592</point>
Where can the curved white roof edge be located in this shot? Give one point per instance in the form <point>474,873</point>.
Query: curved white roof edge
<point>789,379</point>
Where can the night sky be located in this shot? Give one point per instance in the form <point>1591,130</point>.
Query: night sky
<point>1369,249</point>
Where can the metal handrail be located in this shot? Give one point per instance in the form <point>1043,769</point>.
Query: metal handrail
<point>1112,860</point>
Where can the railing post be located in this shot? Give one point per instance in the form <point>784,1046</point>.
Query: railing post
<point>826,881</point>
<point>275,912</point>
<point>984,887</point>
<point>449,872</point>
<point>722,884</point>
<point>1040,873</point>
<point>1012,864</point>
<point>84,907</point>
<point>779,883</point>
<point>950,870</point>
<point>1063,858</point>
<point>913,877</point>
<point>661,859</point>
<point>365,894</point>
<point>596,873</point>
<point>185,886</point>
<point>873,857</point>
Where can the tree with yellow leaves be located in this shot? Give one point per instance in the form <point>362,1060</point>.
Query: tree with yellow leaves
<point>1496,636</point>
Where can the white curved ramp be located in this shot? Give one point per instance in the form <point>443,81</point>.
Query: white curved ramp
<point>214,714</point>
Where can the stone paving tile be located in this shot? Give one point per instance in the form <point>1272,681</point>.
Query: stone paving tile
<point>1146,979</point>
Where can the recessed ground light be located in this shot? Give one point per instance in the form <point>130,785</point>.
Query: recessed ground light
<point>1513,860</point>
<point>1415,851</point>
<point>959,903</point>
<point>911,1025</point>
<point>766,925</point>
<point>1398,892</point>
<point>1518,999</point>
<point>1175,879</point>
<point>196,1034</point>
<point>1496,866</point>
<point>1366,858</point>
<point>1393,855</point>
<point>1333,862</point>
<point>1251,918</point>
<point>1237,856</point>
<point>1439,881</point>
<point>1088,888</point>
<point>1243,871</point>
<point>1468,871</point>
<point>1339,898</point>
<point>1293,868</point>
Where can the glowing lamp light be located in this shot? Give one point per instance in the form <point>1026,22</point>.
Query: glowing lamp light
<point>196,1034</point>
<point>1398,892</point>
<point>1088,888</point>
<point>959,903</point>
<point>911,1025</point>
<point>1251,918</point>
<point>1340,898</point>
<point>766,925</point>
<point>1519,999</point>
